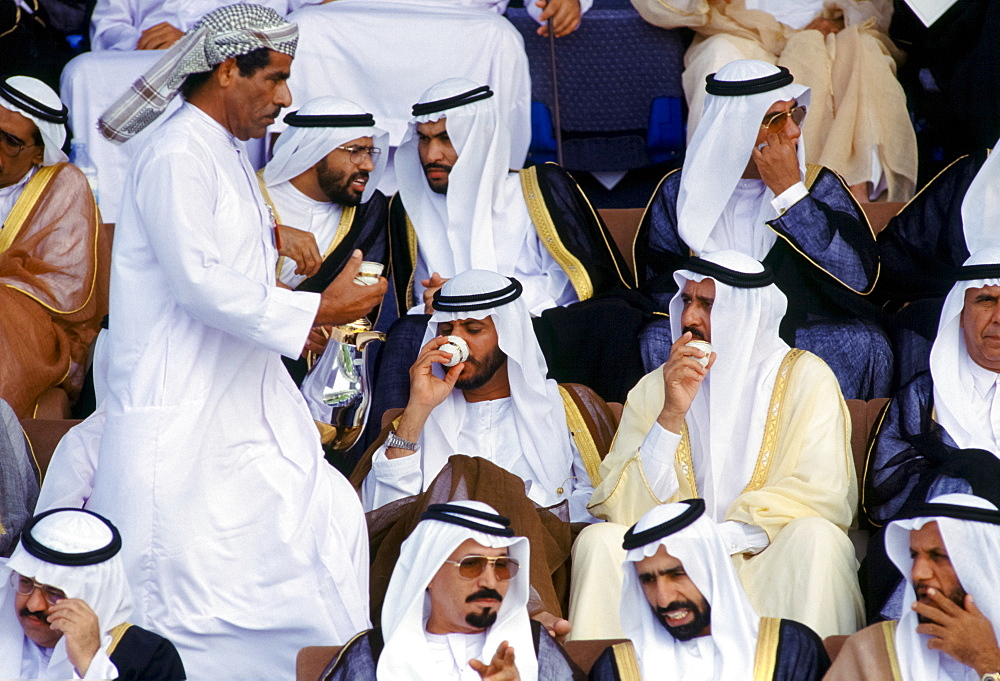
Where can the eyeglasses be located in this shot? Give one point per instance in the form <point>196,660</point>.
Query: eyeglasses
<point>26,586</point>
<point>358,154</point>
<point>11,145</point>
<point>775,122</point>
<point>470,567</point>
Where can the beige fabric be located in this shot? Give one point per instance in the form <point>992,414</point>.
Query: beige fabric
<point>866,656</point>
<point>53,291</point>
<point>805,501</point>
<point>852,73</point>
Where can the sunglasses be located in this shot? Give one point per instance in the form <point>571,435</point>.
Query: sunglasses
<point>775,122</point>
<point>470,567</point>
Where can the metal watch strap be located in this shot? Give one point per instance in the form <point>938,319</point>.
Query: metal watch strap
<point>394,440</point>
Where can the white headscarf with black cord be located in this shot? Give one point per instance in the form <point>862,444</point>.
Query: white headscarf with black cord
<point>970,530</point>
<point>230,31</point>
<point>482,222</point>
<point>689,535</point>
<point>967,420</point>
<point>728,414</point>
<point>539,413</point>
<point>35,100</point>
<point>76,551</point>
<point>739,95</point>
<point>316,129</point>
<point>442,528</point>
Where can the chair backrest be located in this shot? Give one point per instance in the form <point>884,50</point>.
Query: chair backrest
<point>585,653</point>
<point>43,435</point>
<point>833,645</point>
<point>312,660</point>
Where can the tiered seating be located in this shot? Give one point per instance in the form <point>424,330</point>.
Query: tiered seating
<point>619,82</point>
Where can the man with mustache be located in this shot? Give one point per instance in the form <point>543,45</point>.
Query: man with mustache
<point>321,186</point>
<point>951,608</point>
<point>941,432</point>
<point>756,429</point>
<point>745,186</point>
<point>65,604</point>
<point>497,404</point>
<point>456,608</point>
<point>460,207</point>
<point>687,616</point>
<point>231,471</point>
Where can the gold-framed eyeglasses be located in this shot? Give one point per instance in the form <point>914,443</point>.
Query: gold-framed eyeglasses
<point>470,567</point>
<point>26,586</point>
<point>12,145</point>
<point>358,153</point>
<point>775,122</point>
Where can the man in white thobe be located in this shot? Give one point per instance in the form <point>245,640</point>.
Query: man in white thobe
<point>760,432</point>
<point>497,404</point>
<point>323,181</point>
<point>242,545</point>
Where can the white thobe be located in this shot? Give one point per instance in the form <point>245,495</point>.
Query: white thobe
<point>984,402</point>
<point>489,432</point>
<point>797,14</point>
<point>35,664</point>
<point>10,195</point>
<point>452,652</point>
<point>295,209</point>
<point>118,24</point>
<point>241,544</point>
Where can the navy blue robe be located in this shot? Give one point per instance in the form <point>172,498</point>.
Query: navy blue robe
<point>357,661</point>
<point>142,655</point>
<point>913,459</point>
<point>919,249</point>
<point>800,656</point>
<point>824,261</point>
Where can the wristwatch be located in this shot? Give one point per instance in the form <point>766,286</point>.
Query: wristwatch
<point>399,443</point>
<point>994,676</point>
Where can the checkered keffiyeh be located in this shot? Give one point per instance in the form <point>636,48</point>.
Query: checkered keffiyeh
<point>226,32</point>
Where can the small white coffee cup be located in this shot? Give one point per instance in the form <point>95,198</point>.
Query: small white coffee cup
<point>705,347</point>
<point>368,273</point>
<point>458,348</point>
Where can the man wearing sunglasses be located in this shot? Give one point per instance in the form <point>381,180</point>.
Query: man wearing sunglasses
<point>456,607</point>
<point>65,605</point>
<point>745,186</point>
<point>52,289</point>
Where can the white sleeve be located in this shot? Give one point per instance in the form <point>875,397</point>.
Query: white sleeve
<point>657,454</point>
<point>742,538</point>
<point>101,667</point>
<point>391,479</point>
<point>789,197</point>
<point>582,490</point>
<point>202,283</point>
<point>114,25</point>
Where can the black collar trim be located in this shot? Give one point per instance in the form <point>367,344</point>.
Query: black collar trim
<point>478,301</point>
<point>634,540</point>
<point>424,108</point>
<point>32,106</point>
<point>932,510</point>
<point>298,120</point>
<point>728,276</point>
<point>972,272</point>
<point>463,516</point>
<point>42,552</point>
<point>739,88</point>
